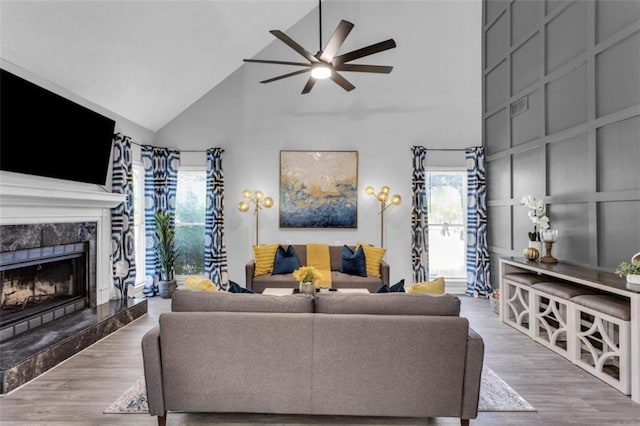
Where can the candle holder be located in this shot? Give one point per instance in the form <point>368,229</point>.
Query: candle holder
<point>548,236</point>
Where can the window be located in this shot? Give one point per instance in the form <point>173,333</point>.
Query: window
<point>190,209</point>
<point>446,195</point>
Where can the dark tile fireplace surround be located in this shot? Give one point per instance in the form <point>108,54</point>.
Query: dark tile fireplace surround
<point>48,305</point>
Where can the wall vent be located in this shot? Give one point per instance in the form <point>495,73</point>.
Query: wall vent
<point>520,106</point>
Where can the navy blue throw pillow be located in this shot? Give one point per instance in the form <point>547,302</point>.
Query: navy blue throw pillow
<point>384,288</point>
<point>286,261</point>
<point>353,263</point>
<point>237,288</point>
<point>397,287</point>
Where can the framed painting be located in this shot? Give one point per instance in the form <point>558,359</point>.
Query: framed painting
<point>319,189</point>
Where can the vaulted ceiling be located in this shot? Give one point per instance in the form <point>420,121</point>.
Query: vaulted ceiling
<point>144,60</point>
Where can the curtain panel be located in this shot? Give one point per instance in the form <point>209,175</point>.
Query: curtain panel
<point>478,267</point>
<point>419,217</point>
<point>160,183</point>
<point>122,236</point>
<point>215,251</point>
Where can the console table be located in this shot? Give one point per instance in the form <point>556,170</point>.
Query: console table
<point>590,277</point>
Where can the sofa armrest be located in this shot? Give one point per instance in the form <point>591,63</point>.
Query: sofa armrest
<point>153,371</point>
<point>384,272</point>
<point>472,375</point>
<point>249,269</point>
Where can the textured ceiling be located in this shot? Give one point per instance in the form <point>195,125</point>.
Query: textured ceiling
<point>144,60</point>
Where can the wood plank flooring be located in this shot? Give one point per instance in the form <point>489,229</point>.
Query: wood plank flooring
<point>77,391</point>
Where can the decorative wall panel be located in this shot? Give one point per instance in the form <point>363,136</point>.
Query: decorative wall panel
<point>618,153</point>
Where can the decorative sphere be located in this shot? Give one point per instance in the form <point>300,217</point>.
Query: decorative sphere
<point>531,253</point>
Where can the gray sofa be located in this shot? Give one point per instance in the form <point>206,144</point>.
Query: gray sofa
<point>392,354</point>
<point>338,279</point>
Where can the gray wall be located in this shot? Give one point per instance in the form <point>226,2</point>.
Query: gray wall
<point>432,98</point>
<point>577,144</point>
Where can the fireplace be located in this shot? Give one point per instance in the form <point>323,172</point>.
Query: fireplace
<point>42,284</point>
<point>47,271</point>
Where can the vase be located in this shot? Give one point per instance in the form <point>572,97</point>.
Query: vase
<point>307,288</point>
<point>633,279</point>
<point>536,245</point>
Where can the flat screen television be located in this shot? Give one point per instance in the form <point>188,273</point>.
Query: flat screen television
<point>45,134</point>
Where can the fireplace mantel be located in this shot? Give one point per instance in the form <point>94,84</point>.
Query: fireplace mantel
<point>28,195</point>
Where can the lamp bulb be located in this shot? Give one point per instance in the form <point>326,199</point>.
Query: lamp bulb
<point>243,206</point>
<point>246,193</point>
<point>369,190</point>
<point>382,196</point>
<point>396,200</point>
<point>259,195</point>
<point>268,202</point>
<point>320,72</point>
<point>385,189</point>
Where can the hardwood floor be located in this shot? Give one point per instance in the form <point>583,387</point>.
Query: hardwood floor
<point>77,391</point>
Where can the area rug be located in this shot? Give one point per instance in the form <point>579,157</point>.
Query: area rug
<point>495,395</point>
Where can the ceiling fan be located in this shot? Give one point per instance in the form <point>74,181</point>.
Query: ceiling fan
<point>325,63</point>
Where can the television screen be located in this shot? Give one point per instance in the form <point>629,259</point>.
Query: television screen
<point>45,134</point>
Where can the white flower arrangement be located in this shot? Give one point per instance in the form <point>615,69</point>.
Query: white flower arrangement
<point>536,214</point>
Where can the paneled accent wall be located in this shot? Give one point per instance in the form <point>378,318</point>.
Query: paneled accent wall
<point>561,120</point>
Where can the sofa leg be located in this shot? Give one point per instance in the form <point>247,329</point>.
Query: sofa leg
<point>162,420</point>
<point>464,422</point>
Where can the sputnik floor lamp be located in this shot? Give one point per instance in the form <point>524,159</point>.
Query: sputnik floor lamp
<point>259,200</point>
<point>385,203</point>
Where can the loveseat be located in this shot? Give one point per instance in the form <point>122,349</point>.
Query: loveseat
<point>392,354</point>
<point>339,279</point>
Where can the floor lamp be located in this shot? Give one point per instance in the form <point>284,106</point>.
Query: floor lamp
<point>385,203</point>
<point>259,200</point>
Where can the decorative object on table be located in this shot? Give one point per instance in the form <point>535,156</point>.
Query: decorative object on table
<point>325,64</point>
<point>259,201</point>
<point>307,277</point>
<point>385,202</point>
<point>318,189</point>
<point>549,236</point>
<point>540,220</point>
<point>630,270</point>
<point>164,245</point>
<point>531,253</point>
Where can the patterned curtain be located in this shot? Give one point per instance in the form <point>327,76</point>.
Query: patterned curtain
<point>122,238</point>
<point>160,182</point>
<point>478,271</point>
<point>215,252</point>
<point>419,218</point>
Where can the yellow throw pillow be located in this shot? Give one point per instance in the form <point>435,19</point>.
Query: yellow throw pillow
<point>199,283</point>
<point>264,256</point>
<point>435,286</point>
<point>372,258</point>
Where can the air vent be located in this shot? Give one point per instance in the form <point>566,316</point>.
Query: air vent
<point>520,106</point>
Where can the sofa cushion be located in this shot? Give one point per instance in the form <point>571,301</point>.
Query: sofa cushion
<point>387,304</point>
<point>184,300</point>
<point>199,283</point>
<point>237,288</point>
<point>435,286</point>
<point>396,288</point>
<point>264,256</point>
<point>353,263</point>
<point>286,261</point>
<point>373,257</point>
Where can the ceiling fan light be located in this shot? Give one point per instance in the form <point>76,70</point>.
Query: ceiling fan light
<point>320,72</point>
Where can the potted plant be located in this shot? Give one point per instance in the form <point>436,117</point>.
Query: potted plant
<point>166,253</point>
<point>630,269</point>
<point>307,277</point>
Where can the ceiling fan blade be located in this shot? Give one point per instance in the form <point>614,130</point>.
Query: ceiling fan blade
<point>382,69</point>
<point>280,77</point>
<point>339,35</point>
<point>308,86</point>
<point>365,51</point>
<point>342,82</point>
<point>264,61</point>
<point>295,46</point>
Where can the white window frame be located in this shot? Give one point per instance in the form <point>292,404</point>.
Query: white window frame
<point>457,284</point>
<point>138,226</point>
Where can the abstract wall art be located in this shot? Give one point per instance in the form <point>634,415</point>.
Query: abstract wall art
<point>318,189</point>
